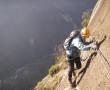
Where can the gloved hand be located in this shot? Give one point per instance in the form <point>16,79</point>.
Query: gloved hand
<point>94,47</point>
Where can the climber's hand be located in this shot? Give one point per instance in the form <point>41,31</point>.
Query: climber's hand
<point>94,47</point>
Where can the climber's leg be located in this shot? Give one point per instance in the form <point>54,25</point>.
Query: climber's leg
<point>78,62</point>
<point>70,71</point>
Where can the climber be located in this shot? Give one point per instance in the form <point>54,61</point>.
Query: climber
<point>73,45</point>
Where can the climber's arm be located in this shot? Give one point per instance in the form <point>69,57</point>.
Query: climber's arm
<point>84,47</point>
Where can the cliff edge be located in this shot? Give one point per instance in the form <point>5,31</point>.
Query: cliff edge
<point>95,73</point>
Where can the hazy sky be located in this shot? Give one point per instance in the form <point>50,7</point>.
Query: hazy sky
<point>31,28</point>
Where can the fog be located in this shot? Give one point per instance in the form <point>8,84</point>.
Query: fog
<point>30,29</point>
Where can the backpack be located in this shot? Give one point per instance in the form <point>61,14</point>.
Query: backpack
<point>68,40</point>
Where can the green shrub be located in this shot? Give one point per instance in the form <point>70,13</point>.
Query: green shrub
<point>47,88</point>
<point>60,58</point>
<point>54,69</point>
<point>85,18</point>
<point>41,86</point>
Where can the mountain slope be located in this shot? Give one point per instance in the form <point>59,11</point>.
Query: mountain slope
<point>98,76</point>
<point>95,73</point>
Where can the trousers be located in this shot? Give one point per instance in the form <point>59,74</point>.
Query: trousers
<point>71,67</point>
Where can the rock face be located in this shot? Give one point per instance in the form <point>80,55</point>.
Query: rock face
<point>96,72</point>
<point>100,18</point>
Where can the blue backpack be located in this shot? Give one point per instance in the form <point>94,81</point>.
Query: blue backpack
<point>68,40</point>
<point>71,51</point>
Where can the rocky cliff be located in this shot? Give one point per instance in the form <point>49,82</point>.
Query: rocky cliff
<point>95,73</point>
